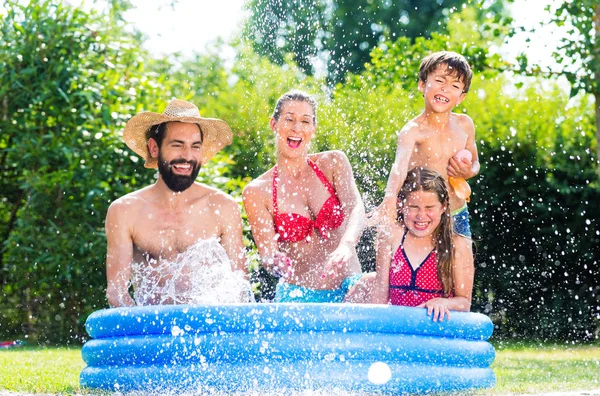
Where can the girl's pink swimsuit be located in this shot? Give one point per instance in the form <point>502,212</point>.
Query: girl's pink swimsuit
<point>410,287</point>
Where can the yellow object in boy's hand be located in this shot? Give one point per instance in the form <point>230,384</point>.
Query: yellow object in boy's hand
<point>460,185</point>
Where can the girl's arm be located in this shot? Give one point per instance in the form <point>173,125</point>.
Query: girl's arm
<point>463,272</point>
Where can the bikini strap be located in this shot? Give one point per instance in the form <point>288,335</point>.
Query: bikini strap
<point>322,177</point>
<point>275,177</point>
<point>404,236</point>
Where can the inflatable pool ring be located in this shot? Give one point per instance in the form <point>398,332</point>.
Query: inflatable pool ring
<point>460,185</point>
<point>254,347</point>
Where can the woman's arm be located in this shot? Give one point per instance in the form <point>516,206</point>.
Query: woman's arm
<point>347,192</point>
<point>256,198</point>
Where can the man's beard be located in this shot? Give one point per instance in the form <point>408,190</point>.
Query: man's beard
<point>175,182</point>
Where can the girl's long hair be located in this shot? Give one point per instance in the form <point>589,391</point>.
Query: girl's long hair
<point>424,179</point>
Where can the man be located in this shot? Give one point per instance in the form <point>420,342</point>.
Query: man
<point>165,238</point>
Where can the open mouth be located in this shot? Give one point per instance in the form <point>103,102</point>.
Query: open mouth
<point>294,142</point>
<point>182,168</point>
<point>421,225</point>
<point>442,99</point>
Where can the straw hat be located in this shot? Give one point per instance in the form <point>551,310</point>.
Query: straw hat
<point>216,134</point>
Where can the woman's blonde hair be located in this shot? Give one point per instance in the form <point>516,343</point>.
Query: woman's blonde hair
<point>424,179</point>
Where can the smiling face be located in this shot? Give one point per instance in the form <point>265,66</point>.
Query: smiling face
<point>442,90</point>
<point>295,127</point>
<point>179,155</point>
<point>422,213</point>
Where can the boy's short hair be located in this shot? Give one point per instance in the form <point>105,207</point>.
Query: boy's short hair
<point>453,60</point>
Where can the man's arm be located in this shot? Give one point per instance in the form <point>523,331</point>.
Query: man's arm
<point>231,233</point>
<point>119,256</point>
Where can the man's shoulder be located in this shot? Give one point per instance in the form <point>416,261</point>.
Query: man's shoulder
<point>131,200</point>
<point>212,194</point>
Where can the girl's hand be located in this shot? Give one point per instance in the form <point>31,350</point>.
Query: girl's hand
<point>437,306</point>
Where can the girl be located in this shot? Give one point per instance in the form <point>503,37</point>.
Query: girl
<point>421,262</point>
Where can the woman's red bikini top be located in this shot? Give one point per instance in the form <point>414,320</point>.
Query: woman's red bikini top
<point>293,227</point>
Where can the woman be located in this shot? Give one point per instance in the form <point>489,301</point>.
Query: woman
<point>306,213</point>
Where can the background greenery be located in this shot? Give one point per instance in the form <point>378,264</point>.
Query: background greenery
<point>71,79</point>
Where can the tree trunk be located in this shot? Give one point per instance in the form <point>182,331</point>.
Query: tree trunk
<point>597,106</point>
<point>596,87</point>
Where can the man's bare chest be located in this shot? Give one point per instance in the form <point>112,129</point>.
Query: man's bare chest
<point>166,235</point>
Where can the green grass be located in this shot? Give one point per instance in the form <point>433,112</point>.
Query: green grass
<point>537,368</point>
<point>40,370</point>
<point>519,368</point>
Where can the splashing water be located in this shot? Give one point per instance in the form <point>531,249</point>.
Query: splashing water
<point>200,275</point>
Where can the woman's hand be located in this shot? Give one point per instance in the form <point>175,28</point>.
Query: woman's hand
<point>437,306</point>
<point>279,265</point>
<point>338,259</point>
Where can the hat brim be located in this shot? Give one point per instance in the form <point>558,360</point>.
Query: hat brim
<point>216,134</point>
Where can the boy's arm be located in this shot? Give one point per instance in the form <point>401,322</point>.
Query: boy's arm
<point>465,169</point>
<point>404,149</point>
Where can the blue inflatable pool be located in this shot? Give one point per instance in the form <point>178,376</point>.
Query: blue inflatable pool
<point>268,347</point>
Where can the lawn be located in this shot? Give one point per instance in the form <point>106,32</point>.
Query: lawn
<point>519,368</point>
<point>40,370</point>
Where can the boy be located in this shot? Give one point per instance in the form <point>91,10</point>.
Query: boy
<point>433,137</point>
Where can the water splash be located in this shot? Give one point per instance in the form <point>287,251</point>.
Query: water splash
<point>200,275</point>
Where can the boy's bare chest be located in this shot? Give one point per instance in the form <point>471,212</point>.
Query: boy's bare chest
<point>436,149</point>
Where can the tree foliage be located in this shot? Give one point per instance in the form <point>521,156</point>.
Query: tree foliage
<point>579,52</point>
<point>341,34</point>
<point>73,78</point>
